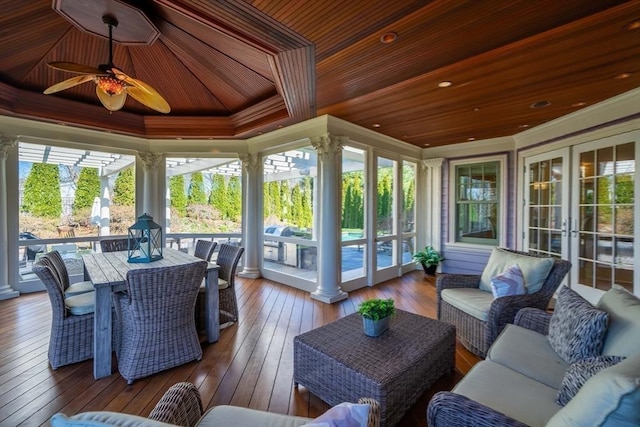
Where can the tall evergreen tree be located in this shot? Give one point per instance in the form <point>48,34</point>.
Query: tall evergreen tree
<point>124,188</point>
<point>285,201</point>
<point>42,191</point>
<point>196,190</point>
<point>234,193</point>
<point>177,195</point>
<point>306,216</point>
<point>296,205</point>
<point>219,198</point>
<point>87,190</point>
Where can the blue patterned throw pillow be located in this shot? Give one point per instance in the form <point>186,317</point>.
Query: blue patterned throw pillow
<point>509,282</point>
<point>576,329</point>
<point>578,373</point>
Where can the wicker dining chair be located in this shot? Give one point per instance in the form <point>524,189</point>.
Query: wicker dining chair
<point>54,260</point>
<point>156,324</point>
<point>71,338</point>
<point>478,335</point>
<point>228,258</point>
<point>204,249</point>
<point>114,245</point>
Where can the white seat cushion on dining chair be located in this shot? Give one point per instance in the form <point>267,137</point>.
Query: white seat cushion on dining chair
<point>79,288</point>
<point>222,284</point>
<point>81,304</point>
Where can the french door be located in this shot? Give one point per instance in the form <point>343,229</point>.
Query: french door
<point>579,205</point>
<point>384,251</point>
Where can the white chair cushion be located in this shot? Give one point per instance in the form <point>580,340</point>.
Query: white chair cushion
<point>472,301</point>
<point>535,270</point>
<point>79,288</point>
<point>623,334</point>
<point>81,304</point>
<point>222,284</point>
<point>104,419</point>
<point>242,417</point>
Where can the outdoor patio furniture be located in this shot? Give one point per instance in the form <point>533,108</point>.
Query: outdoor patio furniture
<point>485,316</point>
<point>71,338</point>
<point>155,319</point>
<point>338,362</point>
<point>228,258</point>
<point>54,260</point>
<point>113,245</point>
<point>204,249</point>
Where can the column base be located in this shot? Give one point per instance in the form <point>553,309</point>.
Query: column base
<point>250,273</point>
<point>329,299</point>
<point>7,292</point>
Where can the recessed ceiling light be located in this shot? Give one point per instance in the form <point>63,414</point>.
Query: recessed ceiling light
<point>405,136</point>
<point>178,138</point>
<point>476,109</point>
<point>445,83</point>
<point>540,104</point>
<point>389,37</point>
<point>632,25</point>
<point>622,76</point>
<point>523,126</point>
<point>426,145</point>
<point>579,104</point>
<point>280,126</point>
<point>471,139</point>
<point>376,125</point>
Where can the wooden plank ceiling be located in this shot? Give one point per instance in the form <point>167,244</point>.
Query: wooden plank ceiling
<point>233,69</point>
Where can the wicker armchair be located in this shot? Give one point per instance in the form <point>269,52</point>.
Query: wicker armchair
<point>477,335</point>
<point>228,258</point>
<point>71,338</point>
<point>155,319</point>
<point>114,245</point>
<point>182,405</point>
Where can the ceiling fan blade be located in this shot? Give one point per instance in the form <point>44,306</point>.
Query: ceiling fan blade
<point>75,68</point>
<point>143,93</point>
<point>111,102</point>
<point>154,100</point>
<point>66,84</point>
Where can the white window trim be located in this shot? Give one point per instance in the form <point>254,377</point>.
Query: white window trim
<point>502,208</point>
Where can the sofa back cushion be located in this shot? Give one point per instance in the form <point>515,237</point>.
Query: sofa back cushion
<point>611,398</point>
<point>534,270</point>
<point>623,334</point>
<point>576,328</point>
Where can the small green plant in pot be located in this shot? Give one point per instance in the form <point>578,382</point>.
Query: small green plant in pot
<point>376,314</point>
<point>429,258</point>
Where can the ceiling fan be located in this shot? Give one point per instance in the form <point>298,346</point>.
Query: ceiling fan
<point>112,84</point>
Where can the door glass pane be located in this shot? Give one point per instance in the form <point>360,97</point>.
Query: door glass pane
<point>545,211</point>
<point>607,211</point>
<point>384,197</point>
<point>353,212</point>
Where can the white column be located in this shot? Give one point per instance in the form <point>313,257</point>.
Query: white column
<point>329,148</point>
<point>6,291</point>
<point>432,171</point>
<point>251,213</point>
<point>151,186</point>
<point>105,203</point>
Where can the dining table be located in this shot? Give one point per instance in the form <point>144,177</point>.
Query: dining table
<point>108,272</point>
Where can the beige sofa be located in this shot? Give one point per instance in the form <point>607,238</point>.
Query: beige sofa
<point>181,406</point>
<point>529,366</point>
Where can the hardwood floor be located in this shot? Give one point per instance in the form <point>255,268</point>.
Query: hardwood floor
<point>251,365</point>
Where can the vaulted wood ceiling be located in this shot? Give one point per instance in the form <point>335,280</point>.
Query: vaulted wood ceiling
<point>233,69</point>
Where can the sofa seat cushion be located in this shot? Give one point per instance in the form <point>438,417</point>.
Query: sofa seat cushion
<point>610,398</point>
<point>535,270</point>
<point>81,304</point>
<point>79,288</point>
<point>529,353</point>
<point>623,334</point>
<point>505,390</point>
<point>576,329</point>
<point>472,301</point>
<point>104,419</point>
<point>234,416</point>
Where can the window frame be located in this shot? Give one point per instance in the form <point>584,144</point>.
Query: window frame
<point>501,203</point>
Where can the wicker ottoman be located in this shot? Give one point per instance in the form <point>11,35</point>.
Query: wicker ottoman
<point>339,363</point>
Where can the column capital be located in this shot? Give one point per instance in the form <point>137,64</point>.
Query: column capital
<point>149,160</point>
<point>250,162</point>
<point>329,144</point>
<point>6,144</point>
<point>433,163</point>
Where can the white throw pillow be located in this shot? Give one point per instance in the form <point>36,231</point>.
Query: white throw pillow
<point>343,415</point>
<point>509,282</point>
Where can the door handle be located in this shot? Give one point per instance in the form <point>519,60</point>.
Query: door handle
<point>575,227</point>
<point>563,230</point>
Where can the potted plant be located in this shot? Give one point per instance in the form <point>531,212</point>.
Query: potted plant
<point>429,258</point>
<point>376,314</point>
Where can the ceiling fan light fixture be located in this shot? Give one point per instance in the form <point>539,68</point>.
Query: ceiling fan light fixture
<point>109,85</point>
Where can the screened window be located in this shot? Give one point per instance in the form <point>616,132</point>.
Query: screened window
<point>477,203</point>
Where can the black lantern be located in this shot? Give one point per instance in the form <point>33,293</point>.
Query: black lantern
<point>145,240</point>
